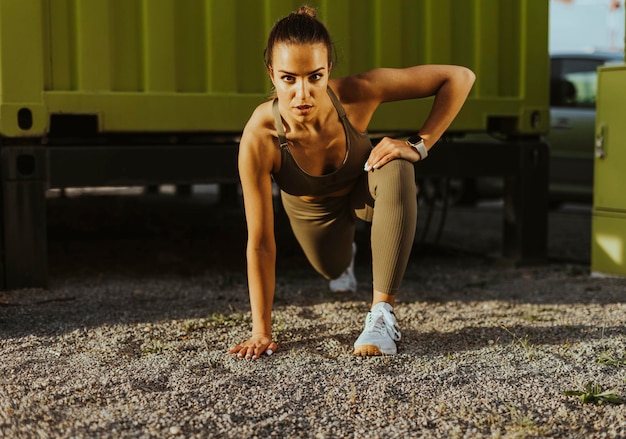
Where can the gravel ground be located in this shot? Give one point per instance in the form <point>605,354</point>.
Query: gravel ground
<point>147,293</point>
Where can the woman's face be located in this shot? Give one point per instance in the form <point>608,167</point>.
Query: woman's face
<point>300,74</point>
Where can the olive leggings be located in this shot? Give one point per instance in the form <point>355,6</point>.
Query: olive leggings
<point>386,197</point>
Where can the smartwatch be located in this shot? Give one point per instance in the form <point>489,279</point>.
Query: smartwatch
<point>417,143</point>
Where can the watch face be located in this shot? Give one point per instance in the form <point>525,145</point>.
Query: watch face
<point>413,140</point>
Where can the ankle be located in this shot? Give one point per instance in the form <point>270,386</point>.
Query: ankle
<point>382,297</point>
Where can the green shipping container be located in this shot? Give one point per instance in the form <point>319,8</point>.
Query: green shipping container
<point>197,65</point>
<point>145,92</point>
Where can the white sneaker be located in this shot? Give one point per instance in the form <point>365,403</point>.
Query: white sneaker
<point>380,334</point>
<point>347,281</point>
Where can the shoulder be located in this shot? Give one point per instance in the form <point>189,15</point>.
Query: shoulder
<point>365,86</point>
<point>365,90</point>
<point>353,89</point>
<point>261,116</point>
<point>260,125</point>
<point>259,140</point>
<point>358,96</point>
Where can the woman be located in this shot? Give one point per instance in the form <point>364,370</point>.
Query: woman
<point>312,141</point>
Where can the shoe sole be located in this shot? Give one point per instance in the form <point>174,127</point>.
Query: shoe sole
<point>368,350</point>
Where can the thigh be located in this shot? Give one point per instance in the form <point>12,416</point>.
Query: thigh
<point>324,230</point>
<point>394,181</point>
<point>361,200</point>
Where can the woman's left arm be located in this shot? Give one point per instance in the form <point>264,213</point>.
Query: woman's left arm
<point>450,85</point>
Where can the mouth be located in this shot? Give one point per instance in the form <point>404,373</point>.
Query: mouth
<point>304,107</point>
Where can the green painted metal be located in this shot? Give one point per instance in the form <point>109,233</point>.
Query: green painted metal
<point>609,175</point>
<point>196,65</point>
<point>608,243</point>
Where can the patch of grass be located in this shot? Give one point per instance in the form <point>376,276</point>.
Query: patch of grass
<point>594,393</point>
<point>608,359</point>
<point>193,325</point>
<point>567,345</point>
<point>155,347</point>
<point>532,318</point>
<point>540,315</point>
<point>215,319</point>
<point>226,319</point>
<point>352,394</point>
<point>523,423</point>
<point>278,325</point>
<point>525,343</point>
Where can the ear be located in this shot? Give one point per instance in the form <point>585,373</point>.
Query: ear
<point>270,72</point>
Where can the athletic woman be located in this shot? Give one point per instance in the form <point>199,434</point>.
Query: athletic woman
<point>311,139</point>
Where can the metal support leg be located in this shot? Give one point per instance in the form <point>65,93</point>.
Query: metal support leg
<point>525,229</point>
<point>23,217</point>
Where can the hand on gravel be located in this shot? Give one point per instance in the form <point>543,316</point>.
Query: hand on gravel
<point>254,347</point>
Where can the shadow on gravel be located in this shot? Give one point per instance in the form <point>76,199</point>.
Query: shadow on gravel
<point>526,337</point>
<point>136,259</point>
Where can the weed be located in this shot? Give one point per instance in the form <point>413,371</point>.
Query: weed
<point>222,319</point>
<point>607,359</point>
<point>352,394</point>
<point>525,343</point>
<point>522,422</point>
<point>216,319</point>
<point>279,325</point>
<point>567,345</point>
<point>540,315</point>
<point>593,393</point>
<point>156,347</point>
<point>193,325</point>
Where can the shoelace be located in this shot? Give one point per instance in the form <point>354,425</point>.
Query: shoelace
<point>383,321</point>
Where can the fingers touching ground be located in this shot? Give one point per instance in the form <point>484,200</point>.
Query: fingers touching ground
<point>251,350</point>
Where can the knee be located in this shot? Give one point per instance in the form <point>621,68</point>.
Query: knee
<point>329,271</point>
<point>405,170</point>
<point>398,178</point>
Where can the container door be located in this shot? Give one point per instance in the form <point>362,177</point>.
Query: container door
<point>610,148</point>
<point>608,234</point>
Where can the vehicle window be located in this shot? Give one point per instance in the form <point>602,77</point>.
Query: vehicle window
<point>575,86</point>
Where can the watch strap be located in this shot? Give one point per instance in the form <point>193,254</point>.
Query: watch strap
<point>417,143</point>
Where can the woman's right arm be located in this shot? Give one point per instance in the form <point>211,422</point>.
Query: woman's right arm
<point>256,159</point>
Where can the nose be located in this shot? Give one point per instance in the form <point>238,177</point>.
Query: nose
<point>303,89</point>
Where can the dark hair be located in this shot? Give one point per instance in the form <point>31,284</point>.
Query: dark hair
<point>299,27</point>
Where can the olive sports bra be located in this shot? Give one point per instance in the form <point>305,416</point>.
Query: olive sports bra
<point>293,180</point>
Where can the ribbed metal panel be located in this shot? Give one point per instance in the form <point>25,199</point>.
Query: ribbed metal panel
<point>196,65</point>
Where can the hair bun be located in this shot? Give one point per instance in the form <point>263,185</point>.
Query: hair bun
<point>307,10</point>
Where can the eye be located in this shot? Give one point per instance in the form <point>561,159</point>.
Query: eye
<point>316,77</point>
<point>288,78</point>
